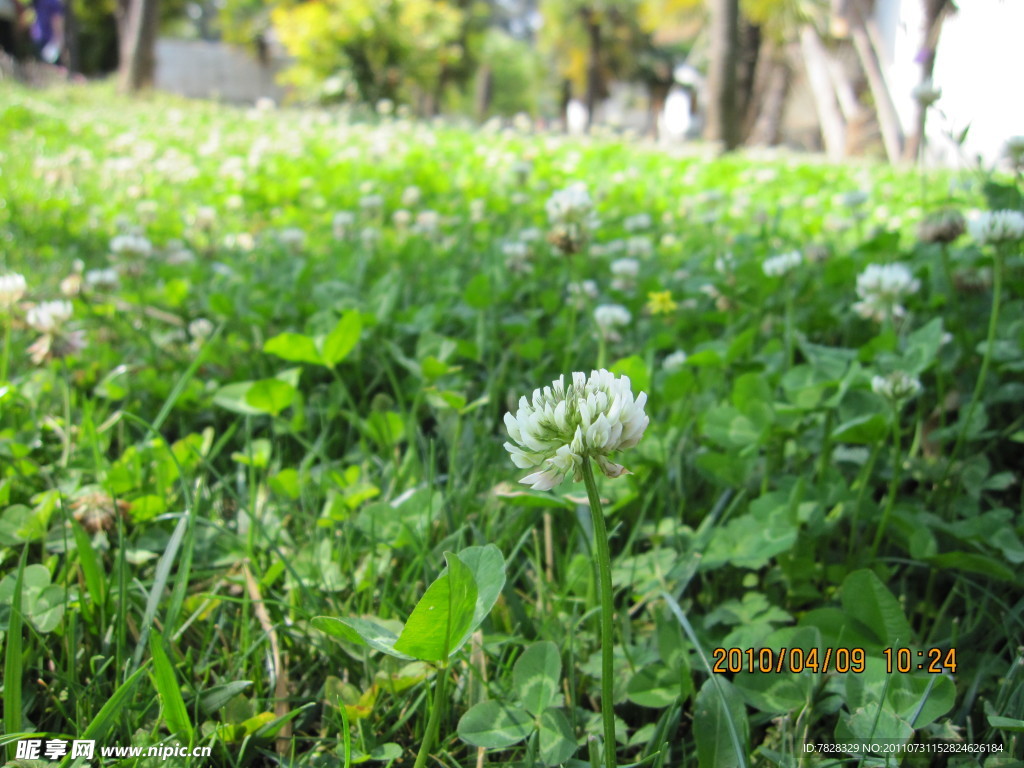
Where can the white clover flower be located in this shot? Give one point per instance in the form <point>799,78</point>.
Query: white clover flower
<point>609,317</point>
<point>881,288</point>
<point>102,278</point>
<point>427,222</point>
<point>674,361</point>
<point>130,244</point>
<point>401,218</point>
<point>204,217</point>
<point>925,93</point>
<point>725,264</point>
<point>342,223</point>
<point>371,203</point>
<point>854,199</point>
<point>517,257</point>
<point>637,222</point>
<point>562,427</point>
<point>639,245</point>
<point>897,387</point>
<point>12,288</point>
<point>572,218</point>
<point>292,238</point>
<point>200,328</point>
<point>411,196</point>
<point>997,226</point>
<point>369,236</point>
<point>582,290</point>
<point>625,267</point>
<point>515,250</point>
<point>530,235</point>
<point>1015,150</point>
<point>48,316</point>
<point>776,266</point>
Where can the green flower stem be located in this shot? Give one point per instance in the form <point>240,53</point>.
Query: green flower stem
<point>979,385</point>
<point>5,354</point>
<point>604,580</point>
<point>861,484</point>
<point>430,737</point>
<point>894,481</point>
<point>789,325</point>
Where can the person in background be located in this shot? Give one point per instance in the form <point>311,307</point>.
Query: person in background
<point>48,30</point>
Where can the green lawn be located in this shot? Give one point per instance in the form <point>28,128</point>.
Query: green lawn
<point>252,410</point>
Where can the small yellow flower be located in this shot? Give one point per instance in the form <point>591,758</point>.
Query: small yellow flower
<point>660,303</point>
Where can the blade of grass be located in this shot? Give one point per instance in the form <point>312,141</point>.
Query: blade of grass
<point>108,713</point>
<point>94,582</point>
<point>688,629</point>
<point>166,683</point>
<point>13,656</point>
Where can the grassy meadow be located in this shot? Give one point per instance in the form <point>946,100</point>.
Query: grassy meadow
<point>252,410</point>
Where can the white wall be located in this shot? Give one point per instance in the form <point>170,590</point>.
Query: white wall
<point>979,68</point>
<point>203,69</point>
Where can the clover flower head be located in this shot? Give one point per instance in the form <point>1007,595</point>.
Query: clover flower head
<point>725,264</point>
<point>571,216</point>
<point>200,328</point>
<point>925,93</point>
<point>881,288</point>
<point>674,361</point>
<point>517,257</point>
<point>776,266</point>
<point>578,292</point>
<point>637,223</point>
<point>102,278</point>
<point>411,196</point>
<point>292,238</point>
<point>625,267</point>
<point>48,316</point>
<point>371,203</point>
<point>639,245</point>
<point>997,226</point>
<point>131,245</point>
<point>897,387</point>
<point>342,223</point>
<point>943,226</point>
<point>570,204</point>
<point>609,317</point>
<point>853,199</point>
<point>427,222</point>
<point>12,288</point>
<point>204,217</point>
<point>561,427</point>
<point>1015,150</point>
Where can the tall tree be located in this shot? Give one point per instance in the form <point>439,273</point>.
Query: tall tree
<point>138,21</point>
<point>723,114</point>
<point>401,50</point>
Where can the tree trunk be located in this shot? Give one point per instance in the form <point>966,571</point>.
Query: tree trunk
<point>593,64</point>
<point>723,116</point>
<point>769,101</point>
<point>657,94</point>
<point>833,127</point>
<point>484,92</point>
<point>888,118</point>
<point>72,47</point>
<point>137,28</point>
<point>934,15</point>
